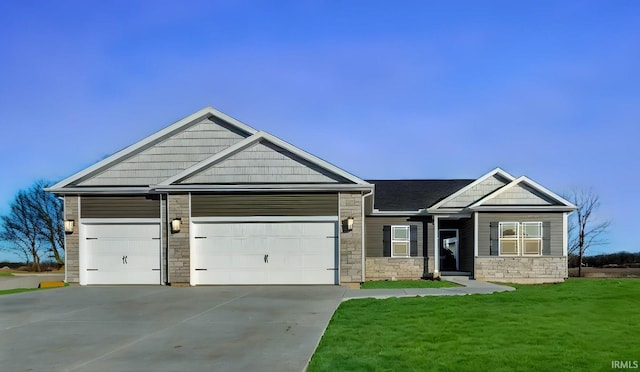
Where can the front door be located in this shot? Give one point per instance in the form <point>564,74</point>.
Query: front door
<point>449,250</point>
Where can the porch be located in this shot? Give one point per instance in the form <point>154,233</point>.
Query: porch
<point>454,244</point>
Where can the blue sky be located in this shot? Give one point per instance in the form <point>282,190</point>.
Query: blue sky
<point>383,89</point>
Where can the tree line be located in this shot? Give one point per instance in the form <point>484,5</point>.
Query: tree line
<point>619,258</point>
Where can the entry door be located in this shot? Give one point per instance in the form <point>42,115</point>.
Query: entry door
<point>122,253</point>
<point>449,255</point>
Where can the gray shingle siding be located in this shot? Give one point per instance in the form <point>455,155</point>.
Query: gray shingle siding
<point>555,220</point>
<point>262,163</point>
<point>519,195</point>
<point>246,205</point>
<point>135,206</point>
<point>476,192</point>
<point>159,161</point>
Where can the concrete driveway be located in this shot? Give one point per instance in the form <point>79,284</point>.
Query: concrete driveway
<point>274,328</point>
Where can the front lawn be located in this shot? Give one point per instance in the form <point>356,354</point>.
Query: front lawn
<point>389,284</point>
<point>578,325</point>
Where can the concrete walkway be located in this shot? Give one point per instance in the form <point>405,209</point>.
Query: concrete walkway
<point>469,286</point>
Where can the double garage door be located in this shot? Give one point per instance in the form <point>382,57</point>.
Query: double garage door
<point>264,253</point>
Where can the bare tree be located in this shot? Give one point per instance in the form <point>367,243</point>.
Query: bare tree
<point>34,225</point>
<point>50,216</point>
<point>585,231</point>
<point>20,227</point>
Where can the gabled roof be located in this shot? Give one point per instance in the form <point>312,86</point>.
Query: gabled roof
<point>413,195</point>
<point>474,190</point>
<point>322,167</point>
<point>523,193</point>
<point>189,150</point>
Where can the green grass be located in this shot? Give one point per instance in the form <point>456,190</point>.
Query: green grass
<point>383,284</point>
<point>17,290</point>
<point>4,273</point>
<point>21,290</point>
<point>580,325</point>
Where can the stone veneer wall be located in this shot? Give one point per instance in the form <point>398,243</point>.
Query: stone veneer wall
<point>521,269</point>
<point>351,241</point>
<point>383,268</point>
<point>179,251</point>
<point>72,241</point>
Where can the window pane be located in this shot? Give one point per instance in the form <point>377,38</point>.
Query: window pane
<point>532,246</point>
<point>509,247</point>
<point>400,233</point>
<point>532,229</point>
<point>400,249</point>
<point>508,229</point>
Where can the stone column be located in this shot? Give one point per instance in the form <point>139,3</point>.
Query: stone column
<point>179,250</point>
<point>351,241</point>
<point>72,240</point>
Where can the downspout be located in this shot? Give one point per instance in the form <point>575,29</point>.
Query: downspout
<point>362,241</point>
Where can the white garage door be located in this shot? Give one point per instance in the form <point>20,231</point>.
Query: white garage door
<point>265,253</point>
<point>122,253</point>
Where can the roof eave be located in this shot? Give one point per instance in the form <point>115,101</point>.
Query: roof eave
<point>523,208</point>
<point>263,187</point>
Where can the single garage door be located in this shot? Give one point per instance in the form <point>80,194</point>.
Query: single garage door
<point>122,253</point>
<point>265,253</point>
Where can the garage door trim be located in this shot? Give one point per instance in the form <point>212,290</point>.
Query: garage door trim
<point>265,219</point>
<point>262,219</point>
<point>82,235</point>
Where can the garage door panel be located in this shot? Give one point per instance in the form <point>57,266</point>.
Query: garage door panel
<point>122,253</point>
<point>295,252</point>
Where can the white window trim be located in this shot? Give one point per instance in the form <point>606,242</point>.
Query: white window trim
<point>520,239</point>
<point>523,238</point>
<point>408,240</point>
<point>516,239</point>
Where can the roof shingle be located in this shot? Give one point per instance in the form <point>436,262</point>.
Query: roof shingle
<point>411,195</point>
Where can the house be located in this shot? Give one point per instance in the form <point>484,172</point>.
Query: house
<point>211,200</point>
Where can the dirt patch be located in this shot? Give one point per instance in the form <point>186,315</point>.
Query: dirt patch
<point>606,272</point>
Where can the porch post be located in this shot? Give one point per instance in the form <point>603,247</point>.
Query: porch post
<point>436,247</point>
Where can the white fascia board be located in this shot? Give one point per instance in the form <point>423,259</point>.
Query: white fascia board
<point>376,212</point>
<point>535,185</point>
<point>497,170</point>
<point>313,159</point>
<point>522,208</point>
<point>265,219</point>
<point>229,151</point>
<point>444,210</point>
<point>99,190</point>
<point>199,115</point>
<point>445,216</point>
<point>235,122</point>
<point>263,187</point>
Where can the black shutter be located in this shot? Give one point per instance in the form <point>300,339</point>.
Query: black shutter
<point>546,238</point>
<point>413,245</point>
<point>493,239</point>
<point>386,241</point>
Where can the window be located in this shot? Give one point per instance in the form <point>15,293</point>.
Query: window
<point>400,241</point>
<point>520,238</point>
<point>508,238</point>
<point>532,238</point>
